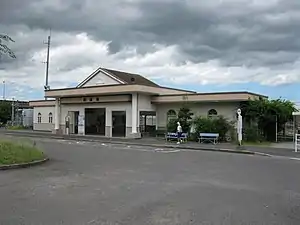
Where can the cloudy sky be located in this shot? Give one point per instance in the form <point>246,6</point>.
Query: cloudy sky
<point>203,45</point>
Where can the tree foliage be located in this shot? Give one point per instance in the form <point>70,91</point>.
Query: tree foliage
<point>5,111</point>
<point>265,113</point>
<point>184,116</point>
<point>4,49</point>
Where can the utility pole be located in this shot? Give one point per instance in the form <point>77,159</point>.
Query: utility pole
<point>13,111</point>
<point>4,90</point>
<point>48,43</point>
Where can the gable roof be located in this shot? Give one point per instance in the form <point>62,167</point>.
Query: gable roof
<point>121,77</point>
<point>131,78</point>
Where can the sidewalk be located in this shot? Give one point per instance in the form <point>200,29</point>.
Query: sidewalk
<point>161,143</point>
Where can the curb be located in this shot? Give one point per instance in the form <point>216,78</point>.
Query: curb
<point>109,141</point>
<point>23,165</point>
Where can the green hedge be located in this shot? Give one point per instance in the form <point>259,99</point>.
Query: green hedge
<point>214,125</point>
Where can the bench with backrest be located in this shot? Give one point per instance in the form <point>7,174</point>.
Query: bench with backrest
<point>211,137</point>
<point>173,136</point>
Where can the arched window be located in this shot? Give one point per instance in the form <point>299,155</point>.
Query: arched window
<point>212,113</point>
<point>50,118</point>
<point>39,118</point>
<point>171,114</point>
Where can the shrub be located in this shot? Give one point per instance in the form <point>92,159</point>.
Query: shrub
<point>213,125</point>
<point>172,125</point>
<point>252,134</point>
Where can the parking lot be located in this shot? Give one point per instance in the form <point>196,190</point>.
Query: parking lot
<point>95,183</point>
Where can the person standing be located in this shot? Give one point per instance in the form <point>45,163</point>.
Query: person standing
<point>179,132</point>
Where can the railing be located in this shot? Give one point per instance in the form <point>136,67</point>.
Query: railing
<point>297,142</point>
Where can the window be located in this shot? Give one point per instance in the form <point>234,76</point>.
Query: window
<point>84,99</point>
<point>212,113</point>
<point>91,99</point>
<point>50,118</point>
<point>39,118</point>
<point>171,114</point>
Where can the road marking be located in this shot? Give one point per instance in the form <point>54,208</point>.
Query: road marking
<point>295,159</point>
<point>172,151</point>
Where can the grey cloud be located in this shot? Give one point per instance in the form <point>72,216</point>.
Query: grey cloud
<point>249,33</point>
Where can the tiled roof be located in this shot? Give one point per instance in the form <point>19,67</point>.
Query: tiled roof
<point>130,78</point>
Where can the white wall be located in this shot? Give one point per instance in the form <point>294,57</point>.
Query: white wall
<point>228,110</point>
<point>101,79</point>
<point>44,125</point>
<point>45,114</point>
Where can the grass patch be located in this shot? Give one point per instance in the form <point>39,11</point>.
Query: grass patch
<point>14,152</point>
<point>15,128</point>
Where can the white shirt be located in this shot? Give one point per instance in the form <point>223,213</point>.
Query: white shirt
<point>179,128</point>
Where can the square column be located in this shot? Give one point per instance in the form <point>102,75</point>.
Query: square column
<point>57,116</point>
<point>134,117</point>
<point>134,109</point>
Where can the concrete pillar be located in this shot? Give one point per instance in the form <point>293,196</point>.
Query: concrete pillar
<point>135,133</point>
<point>57,115</point>
<point>134,111</point>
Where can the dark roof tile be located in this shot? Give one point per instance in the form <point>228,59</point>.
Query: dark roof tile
<point>131,78</point>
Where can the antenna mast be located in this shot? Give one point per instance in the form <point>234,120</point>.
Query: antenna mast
<point>47,87</point>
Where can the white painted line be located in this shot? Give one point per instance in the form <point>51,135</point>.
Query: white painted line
<point>295,159</point>
<point>173,151</point>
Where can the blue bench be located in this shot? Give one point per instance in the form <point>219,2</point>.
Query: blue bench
<point>173,136</point>
<point>211,137</point>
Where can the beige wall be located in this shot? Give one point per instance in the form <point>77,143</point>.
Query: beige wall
<point>144,103</point>
<point>43,127</point>
<point>226,109</point>
<point>101,79</point>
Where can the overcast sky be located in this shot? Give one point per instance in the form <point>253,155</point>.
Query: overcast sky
<point>199,44</point>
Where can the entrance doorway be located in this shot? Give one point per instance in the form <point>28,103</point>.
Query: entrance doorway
<point>76,113</point>
<point>95,121</point>
<point>147,123</point>
<point>73,123</point>
<point>118,123</point>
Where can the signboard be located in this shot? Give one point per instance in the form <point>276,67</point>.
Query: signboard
<point>297,142</point>
<point>80,124</point>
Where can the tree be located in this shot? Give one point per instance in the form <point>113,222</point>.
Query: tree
<point>265,113</point>
<point>4,49</point>
<point>184,116</point>
<point>5,111</point>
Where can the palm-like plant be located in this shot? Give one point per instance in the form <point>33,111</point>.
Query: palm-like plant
<point>4,49</point>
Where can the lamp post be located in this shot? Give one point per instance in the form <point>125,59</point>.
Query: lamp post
<point>239,126</point>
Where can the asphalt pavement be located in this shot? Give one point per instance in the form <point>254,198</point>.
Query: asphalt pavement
<point>100,183</point>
